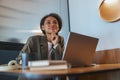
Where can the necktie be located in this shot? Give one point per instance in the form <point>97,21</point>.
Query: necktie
<point>50,53</point>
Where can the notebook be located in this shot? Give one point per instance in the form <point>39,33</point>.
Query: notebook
<point>80,50</point>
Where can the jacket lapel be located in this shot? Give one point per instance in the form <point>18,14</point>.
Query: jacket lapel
<point>44,48</point>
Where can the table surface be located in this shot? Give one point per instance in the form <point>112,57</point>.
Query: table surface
<point>66,72</point>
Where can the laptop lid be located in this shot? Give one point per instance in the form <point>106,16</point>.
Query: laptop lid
<point>80,49</point>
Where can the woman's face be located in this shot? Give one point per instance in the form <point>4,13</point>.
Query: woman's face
<point>50,25</point>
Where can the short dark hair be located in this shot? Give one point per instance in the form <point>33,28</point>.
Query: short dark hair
<point>56,16</point>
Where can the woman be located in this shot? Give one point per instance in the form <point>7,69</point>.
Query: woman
<point>49,46</point>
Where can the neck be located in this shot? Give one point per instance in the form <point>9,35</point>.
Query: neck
<point>48,37</point>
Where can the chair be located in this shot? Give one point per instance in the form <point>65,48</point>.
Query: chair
<point>9,51</point>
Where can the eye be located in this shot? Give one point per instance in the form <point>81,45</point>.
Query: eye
<point>48,22</point>
<point>55,22</point>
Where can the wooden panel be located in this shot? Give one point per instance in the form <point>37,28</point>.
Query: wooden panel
<point>110,56</point>
<point>107,56</point>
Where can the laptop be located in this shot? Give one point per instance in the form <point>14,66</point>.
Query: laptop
<point>80,49</point>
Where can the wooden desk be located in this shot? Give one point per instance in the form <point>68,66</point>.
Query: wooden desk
<point>68,72</point>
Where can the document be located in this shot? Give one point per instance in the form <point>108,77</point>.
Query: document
<point>45,62</point>
<point>50,67</point>
<point>47,65</point>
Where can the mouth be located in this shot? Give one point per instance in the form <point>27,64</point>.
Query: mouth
<point>52,28</point>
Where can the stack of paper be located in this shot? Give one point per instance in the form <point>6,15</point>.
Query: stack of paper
<point>47,65</point>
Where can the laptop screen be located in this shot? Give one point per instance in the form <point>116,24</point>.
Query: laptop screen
<point>80,49</point>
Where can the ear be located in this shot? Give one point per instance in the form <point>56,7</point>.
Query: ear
<point>42,27</point>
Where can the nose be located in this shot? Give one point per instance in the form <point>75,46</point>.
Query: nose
<point>52,25</point>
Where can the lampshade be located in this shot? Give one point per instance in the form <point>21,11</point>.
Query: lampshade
<point>110,10</point>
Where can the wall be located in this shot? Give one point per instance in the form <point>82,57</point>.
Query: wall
<point>85,19</point>
<point>20,19</point>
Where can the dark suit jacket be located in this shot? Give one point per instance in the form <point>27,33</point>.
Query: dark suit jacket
<point>37,48</point>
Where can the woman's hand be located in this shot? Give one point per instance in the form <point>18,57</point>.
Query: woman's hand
<point>54,39</point>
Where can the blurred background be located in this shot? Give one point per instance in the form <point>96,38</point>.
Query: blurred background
<point>20,19</point>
